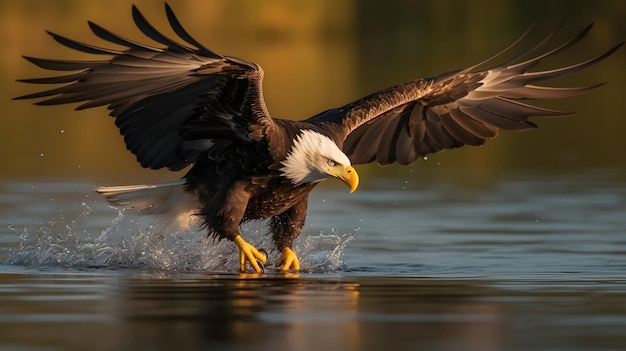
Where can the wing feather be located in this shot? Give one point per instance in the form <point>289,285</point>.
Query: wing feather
<point>480,130</point>
<point>86,48</point>
<point>386,152</point>
<point>458,132</point>
<point>437,133</point>
<point>111,37</point>
<point>463,107</point>
<point>184,35</point>
<point>148,30</point>
<point>167,102</point>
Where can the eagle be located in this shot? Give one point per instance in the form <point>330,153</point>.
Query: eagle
<point>183,105</point>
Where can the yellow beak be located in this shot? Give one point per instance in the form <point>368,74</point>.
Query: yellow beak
<point>350,177</point>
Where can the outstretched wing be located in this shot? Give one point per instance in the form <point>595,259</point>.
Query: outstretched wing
<point>465,107</point>
<point>170,104</point>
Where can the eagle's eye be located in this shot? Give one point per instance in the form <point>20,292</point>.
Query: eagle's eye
<point>332,163</point>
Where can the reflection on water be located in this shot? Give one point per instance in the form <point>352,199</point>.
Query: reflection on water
<point>147,310</point>
<point>524,262</point>
<point>314,313</point>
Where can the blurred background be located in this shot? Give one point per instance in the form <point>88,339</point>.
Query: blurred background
<point>317,55</point>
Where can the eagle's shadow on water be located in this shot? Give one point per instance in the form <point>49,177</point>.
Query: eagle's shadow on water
<point>156,242</point>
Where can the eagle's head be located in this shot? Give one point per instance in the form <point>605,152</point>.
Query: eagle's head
<point>315,157</point>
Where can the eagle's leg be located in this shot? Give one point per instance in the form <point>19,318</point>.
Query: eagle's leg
<point>229,219</point>
<point>285,228</point>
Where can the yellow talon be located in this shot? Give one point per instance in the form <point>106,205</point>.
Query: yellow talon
<point>288,260</point>
<point>250,254</point>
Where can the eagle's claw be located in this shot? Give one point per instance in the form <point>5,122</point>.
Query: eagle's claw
<point>248,253</point>
<point>288,261</point>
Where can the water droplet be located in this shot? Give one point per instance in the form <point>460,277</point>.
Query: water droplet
<point>62,131</point>
<point>41,154</point>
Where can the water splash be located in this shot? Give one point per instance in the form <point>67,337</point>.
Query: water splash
<point>323,252</point>
<point>157,242</point>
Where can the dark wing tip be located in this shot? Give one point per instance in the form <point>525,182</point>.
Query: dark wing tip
<point>151,32</point>
<point>86,48</point>
<point>184,35</point>
<point>111,37</point>
<point>615,48</point>
<point>60,65</point>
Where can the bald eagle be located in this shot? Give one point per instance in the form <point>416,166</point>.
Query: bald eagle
<point>183,104</point>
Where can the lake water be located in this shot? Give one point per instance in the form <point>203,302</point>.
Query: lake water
<point>528,262</point>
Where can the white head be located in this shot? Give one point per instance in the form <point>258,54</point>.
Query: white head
<point>315,157</point>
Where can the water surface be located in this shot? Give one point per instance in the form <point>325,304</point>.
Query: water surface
<point>529,262</point>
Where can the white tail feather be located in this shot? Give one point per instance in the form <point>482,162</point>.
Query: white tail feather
<point>170,198</point>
